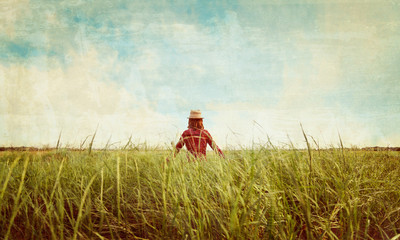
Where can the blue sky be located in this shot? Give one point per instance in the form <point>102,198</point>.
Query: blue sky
<point>255,69</point>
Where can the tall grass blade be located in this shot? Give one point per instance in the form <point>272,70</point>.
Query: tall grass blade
<point>58,141</point>
<point>83,142</point>
<point>10,171</point>
<point>308,148</point>
<point>91,142</point>
<point>342,150</point>
<point>128,143</point>
<point>17,199</point>
<point>118,191</point>
<point>79,217</point>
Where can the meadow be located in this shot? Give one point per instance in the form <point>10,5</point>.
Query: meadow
<point>260,193</point>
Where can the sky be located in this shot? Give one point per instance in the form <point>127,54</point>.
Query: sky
<point>257,70</point>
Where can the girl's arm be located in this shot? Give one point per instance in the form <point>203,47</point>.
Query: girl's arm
<point>178,146</point>
<point>213,144</point>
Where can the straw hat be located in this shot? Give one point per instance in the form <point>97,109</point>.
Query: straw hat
<point>195,114</point>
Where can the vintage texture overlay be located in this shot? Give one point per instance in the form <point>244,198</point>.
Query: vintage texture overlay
<point>255,69</point>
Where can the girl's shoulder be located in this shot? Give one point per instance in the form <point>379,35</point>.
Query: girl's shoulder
<point>189,131</point>
<point>203,131</point>
<point>206,132</point>
<point>192,131</point>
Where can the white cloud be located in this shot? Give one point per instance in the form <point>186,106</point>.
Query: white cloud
<point>242,124</point>
<point>10,11</point>
<point>37,104</point>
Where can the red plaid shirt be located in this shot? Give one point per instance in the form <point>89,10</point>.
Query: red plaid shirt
<point>196,141</point>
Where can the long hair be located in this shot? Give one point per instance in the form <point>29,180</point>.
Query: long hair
<point>196,123</point>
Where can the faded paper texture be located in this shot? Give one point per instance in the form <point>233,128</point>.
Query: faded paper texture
<point>256,69</point>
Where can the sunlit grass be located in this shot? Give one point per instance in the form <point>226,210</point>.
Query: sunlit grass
<point>260,193</point>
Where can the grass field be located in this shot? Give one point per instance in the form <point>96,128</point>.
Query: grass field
<point>263,193</point>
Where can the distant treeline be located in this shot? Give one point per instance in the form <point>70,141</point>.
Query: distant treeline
<point>376,148</point>
<point>44,149</point>
<point>33,149</point>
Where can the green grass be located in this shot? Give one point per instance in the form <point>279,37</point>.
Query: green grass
<point>252,194</point>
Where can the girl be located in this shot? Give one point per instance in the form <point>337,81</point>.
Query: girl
<point>196,137</point>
